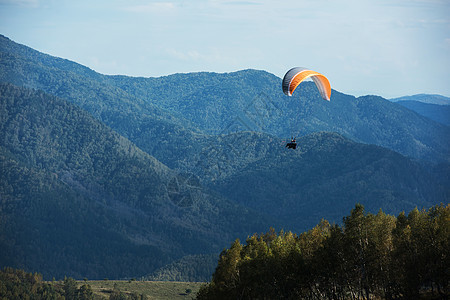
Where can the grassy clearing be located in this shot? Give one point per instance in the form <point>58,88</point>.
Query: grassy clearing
<point>160,290</point>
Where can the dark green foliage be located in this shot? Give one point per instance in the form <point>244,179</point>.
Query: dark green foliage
<point>369,257</point>
<point>438,113</point>
<point>18,284</point>
<point>151,128</point>
<point>70,288</point>
<point>117,295</point>
<point>78,199</point>
<point>187,269</point>
<point>324,177</point>
<point>421,242</point>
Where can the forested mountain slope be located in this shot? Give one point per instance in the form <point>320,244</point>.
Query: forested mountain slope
<point>251,100</point>
<point>77,197</point>
<point>323,178</point>
<point>121,176</point>
<point>436,112</point>
<point>186,105</point>
<point>130,116</point>
<point>435,107</point>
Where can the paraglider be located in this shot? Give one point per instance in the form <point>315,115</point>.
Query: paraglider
<point>292,144</point>
<point>297,75</point>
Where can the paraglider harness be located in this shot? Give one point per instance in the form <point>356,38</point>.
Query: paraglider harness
<point>292,144</point>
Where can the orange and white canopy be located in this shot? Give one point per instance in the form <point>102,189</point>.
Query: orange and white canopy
<point>295,76</point>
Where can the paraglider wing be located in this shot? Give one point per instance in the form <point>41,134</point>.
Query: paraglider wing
<point>295,76</point>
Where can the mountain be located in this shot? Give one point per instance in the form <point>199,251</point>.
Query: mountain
<point>251,100</point>
<point>424,98</point>
<point>323,178</point>
<point>435,112</point>
<point>116,176</point>
<point>434,107</point>
<point>78,199</point>
<point>186,107</point>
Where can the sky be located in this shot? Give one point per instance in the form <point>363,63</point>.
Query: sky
<point>389,48</point>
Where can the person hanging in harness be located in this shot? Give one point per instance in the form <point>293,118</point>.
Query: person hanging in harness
<point>292,144</point>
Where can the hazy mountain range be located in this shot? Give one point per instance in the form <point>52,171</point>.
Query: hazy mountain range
<point>424,98</point>
<point>435,107</point>
<point>116,176</point>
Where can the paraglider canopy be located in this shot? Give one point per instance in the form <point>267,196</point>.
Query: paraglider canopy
<point>296,75</point>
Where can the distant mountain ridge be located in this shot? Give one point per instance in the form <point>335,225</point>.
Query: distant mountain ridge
<point>202,103</point>
<point>434,107</point>
<point>424,98</point>
<point>436,112</point>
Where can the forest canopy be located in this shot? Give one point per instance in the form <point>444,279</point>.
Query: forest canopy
<point>368,257</point>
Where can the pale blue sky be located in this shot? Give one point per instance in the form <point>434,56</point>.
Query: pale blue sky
<point>389,48</point>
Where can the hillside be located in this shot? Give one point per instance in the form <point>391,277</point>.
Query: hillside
<point>435,112</point>
<point>251,100</point>
<point>129,116</point>
<point>185,106</point>
<point>122,177</point>
<point>76,195</point>
<point>323,178</point>
<point>80,200</point>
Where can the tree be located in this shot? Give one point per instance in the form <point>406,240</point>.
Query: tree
<point>226,278</point>
<point>357,239</point>
<point>328,271</point>
<point>85,292</point>
<point>70,289</point>
<point>420,256</point>
<point>382,277</point>
<point>370,257</point>
<point>439,263</point>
